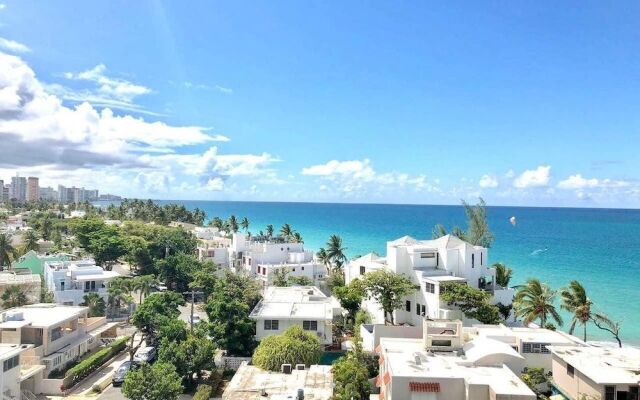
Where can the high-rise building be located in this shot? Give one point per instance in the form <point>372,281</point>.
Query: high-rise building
<point>33,189</point>
<point>48,193</point>
<point>4,193</point>
<point>63,195</point>
<point>18,188</point>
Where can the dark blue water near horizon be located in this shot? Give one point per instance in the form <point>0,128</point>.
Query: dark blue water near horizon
<point>598,247</point>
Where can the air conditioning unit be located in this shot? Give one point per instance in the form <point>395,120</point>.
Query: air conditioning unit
<point>286,368</point>
<point>300,367</point>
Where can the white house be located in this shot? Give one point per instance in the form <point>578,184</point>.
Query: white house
<point>262,257</point>
<point>305,306</point>
<point>430,264</point>
<point>440,366</point>
<point>10,375</point>
<point>70,281</point>
<point>607,373</point>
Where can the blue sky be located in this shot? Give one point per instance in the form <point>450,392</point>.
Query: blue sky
<point>523,103</point>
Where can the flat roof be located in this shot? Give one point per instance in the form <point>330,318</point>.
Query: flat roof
<point>444,278</point>
<point>249,382</point>
<point>9,350</point>
<point>93,277</point>
<point>44,315</point>
<point>400,357</point>
<point>603,365</point>
<point>297,302</point>
<point>524,334</point>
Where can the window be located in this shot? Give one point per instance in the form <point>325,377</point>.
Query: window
<point>437,259</point>
<point>570,370</point>
<point>480,258</point>
<point>417,308</point>
<point>362,270</point>
<point>62,285</point>
<point>473,260</point>
<point>407,306</point>
<point>293,269</point>
<point>259,270</point>
<point>429,287</point>
<point>427,255</point>
<point>302,268</point>
<point>424,310</point>
<point>310,325</point>
<point>535,348</point>
<point>441,343</point>
<point>609,393</point>
<point>271,324</point>
<point>11,363</point>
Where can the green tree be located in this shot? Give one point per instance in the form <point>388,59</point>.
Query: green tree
<point>158,312</point>
<point>190,357</point>
<point>389,289</point>
<point>534,377</point>
<point>478,232</point>
<point>217,222</point>
<point>297,238</point>
<point>176,271</point>
<point>280,278</point>
<point>574,299</point>
<point>106,245</point>
<point>244,224</point>
<point>204,278</point>
<point>300,281</point>
<point>438,231</point>
<point>294,346</point>
<point>152,382</point>
<point>96,304</point>
<point>229,323</point>
<point>503,274</point>
<point>30,240</point>
<point>13,296</point>
<point>7,251</point>
<point>269,230</point>
<point>144,284</point>
<point>119,293</point>
<point>350,297</point>
<point>473,302</point>
<point>603,322</point>
<point>322,256</point>
<point>233,224</point>
<point>335,252</point>
<point>286,231</point>
<point>534,300</point>
<point>351,379</point>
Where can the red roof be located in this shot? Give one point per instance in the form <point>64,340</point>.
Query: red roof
<point>424,387</point>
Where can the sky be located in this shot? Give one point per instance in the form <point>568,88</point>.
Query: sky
<point>531,103</point>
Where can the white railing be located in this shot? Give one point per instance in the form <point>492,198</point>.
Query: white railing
<point>27,395</point>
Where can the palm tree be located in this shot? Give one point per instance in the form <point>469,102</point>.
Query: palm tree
<point>503,274</point>
<point>438,231</point>
<point>233,224</point>
<point>30,239</point>
<point>535,300</point>
<point>575,300</point>
<point>119,292</point>
<point>323,257</point>
<point>297,238</point>
<point>286,231</point>
<point>335,251</point>
<point>217,222</point>
<point>13,297</point>
<point>244,224</point>
<point>7,251</point>
<point>144,284</point>
<point>96,304</point>
<point>269,230</point>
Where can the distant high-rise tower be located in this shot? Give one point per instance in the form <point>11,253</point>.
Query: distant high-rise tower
<point>18,188</point>
<point>33,189</point>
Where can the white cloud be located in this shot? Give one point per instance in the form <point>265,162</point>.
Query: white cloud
<point>13,46</point>
<point>355,169</point>
<point>488,181</point>
<point>538,177</point>
<point>575,182</point>
<point>115,88</point>
<point>224,90</point>
<point>510,174</point>
<point>201,86</point>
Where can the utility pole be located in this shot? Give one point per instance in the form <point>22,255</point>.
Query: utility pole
<point>193,293</point>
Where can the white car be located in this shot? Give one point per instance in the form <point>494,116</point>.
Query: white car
<point>196,319</point>
<point>147,354</point>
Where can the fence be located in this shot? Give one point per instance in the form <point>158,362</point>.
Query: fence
<point>231,362</point>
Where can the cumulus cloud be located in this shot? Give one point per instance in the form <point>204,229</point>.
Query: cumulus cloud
<point>488,181</point>
<point>13,46</point>
<point>532,178</point>
<point>575,182</point>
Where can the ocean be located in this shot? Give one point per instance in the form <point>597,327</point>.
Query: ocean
<point>598,247</point>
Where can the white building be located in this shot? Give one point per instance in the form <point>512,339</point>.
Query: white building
<point>70,281</point>
<point>10,355</point>
<point>305,306</point>
<point>430,264</point>
<point>440,367</point>
<point>213,245</point>
<point>606,373</point>
<point>262,257</point>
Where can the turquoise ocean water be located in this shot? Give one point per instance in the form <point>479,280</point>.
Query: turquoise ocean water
<point>598,247</point>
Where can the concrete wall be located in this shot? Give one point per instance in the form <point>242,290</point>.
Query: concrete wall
<point>577,385</point>
<point>324,329</point>
<point>371,340</point>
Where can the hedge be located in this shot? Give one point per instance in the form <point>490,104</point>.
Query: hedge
<point>203,392</point>
<point>95,361</point>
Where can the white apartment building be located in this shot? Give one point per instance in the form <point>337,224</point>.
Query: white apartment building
<point>70,281</point>
<point>213,245</point>
<point>606,373</point>
<point>50,336</point>
<point>10,374</point>
<point>262,257</point>
<point>305,306</point>
<point>430,264</point>
<point>440,367</point>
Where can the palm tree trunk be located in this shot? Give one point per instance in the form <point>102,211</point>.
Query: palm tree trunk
<point>584,338</point>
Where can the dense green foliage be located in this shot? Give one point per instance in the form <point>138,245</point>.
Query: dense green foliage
<point>350,297</point>
<point>190,356</point>
<point>158,312</point>
<point>13,296</point>
<point>503,274</point>
<point>474,303</point>
<point>204,392</point>
<point>535,300</point>
<point>294,346</point>
<point>149,211</point>
<point>159,381</point>
<point>96,304</point>
<point>93,362</point>
<point>389,289</point>
<point>7,251</point>
<point>477,233</point>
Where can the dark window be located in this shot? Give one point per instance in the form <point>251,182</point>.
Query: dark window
<point>302,268</point>
<point>441,343</point>
<point>429,287</point>
<point>417,308</point>
<point>407,306</point>
<point>437,259</point>
<point>259,270</point>
<point>609,393</point>
<point>427,255</point>
<point>310,325</point>
<point>271,324</point>
<point>294,269</point>
<point>535,348</point>
<point>473,260</point>
<point>424,310</point>
<point>480,258</point>
<point>11,363</point>
<point>570,370</point>
<point>362,270</point>
<point>62,285</point>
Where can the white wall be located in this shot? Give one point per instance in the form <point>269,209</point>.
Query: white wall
<point>324,329</point>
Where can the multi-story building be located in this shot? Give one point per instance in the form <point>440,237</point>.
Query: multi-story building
<point>305,306</point>
<point>33,189</point>
<point>5,192</point>
<point>440,366</point>
<point>65,195</point>
<point>431,264</point>
<point>48,193</point>
<point>2,191</point>
<point>13,371</point>
<point>606,373</point>
<point>70,281</point>
<point>18,188</point>
<point>263,257</point>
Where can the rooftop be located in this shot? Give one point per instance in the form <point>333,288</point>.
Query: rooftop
<point>40,315</point>
<point>524,334</point>
<point>295,302</point>
<point>12,278</point>
<point>603,365</point>
<point>249,382</point>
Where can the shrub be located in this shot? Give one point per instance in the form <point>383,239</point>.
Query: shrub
<point>294,346</point>
<point>93,362</point>
<point>203,392</point>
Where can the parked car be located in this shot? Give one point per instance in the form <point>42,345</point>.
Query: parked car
<point>147,354</point>
<point>122,371</point>
<point>196,319</point>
